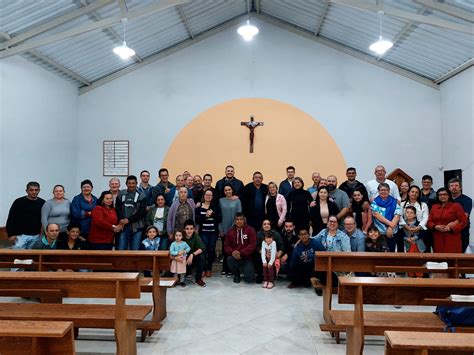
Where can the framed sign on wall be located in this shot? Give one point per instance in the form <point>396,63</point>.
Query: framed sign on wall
<point>116,157</point>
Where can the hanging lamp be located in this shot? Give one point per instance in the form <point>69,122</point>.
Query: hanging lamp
<point>382,45</point>
<point>124,51</point>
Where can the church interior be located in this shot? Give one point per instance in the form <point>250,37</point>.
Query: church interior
<point>261,85</point>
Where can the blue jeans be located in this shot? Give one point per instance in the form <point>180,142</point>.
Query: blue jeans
<point>209,239</point>
<point>24,241</point>
<point>164,242</point>
<point>129,240</point>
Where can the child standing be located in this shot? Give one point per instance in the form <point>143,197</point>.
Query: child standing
<point>152,242</point>
<point>268,254</point>
<point>178,252</point>
<point>413,242</point>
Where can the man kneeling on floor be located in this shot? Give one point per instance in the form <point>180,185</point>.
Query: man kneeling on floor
<point>196,254</point>
<point>302,260</point>
<point>240,243</point>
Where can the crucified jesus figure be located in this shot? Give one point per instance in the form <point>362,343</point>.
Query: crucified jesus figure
<point>251,125</point>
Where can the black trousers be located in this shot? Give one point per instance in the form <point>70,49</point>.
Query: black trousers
<point>300,273</point>
<point>242,265</point>
<point>198,264</point>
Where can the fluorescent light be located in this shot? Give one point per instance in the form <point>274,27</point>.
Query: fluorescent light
<point>124,51</point>
<point>381,46</point>
<point>247,31</point>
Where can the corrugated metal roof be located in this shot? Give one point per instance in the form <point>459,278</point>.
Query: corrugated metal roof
<point>20,16</point>
<point>423,49</point>
<point>204,15</point>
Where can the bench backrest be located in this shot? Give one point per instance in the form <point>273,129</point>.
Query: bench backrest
<point>427,340</point>
<point>368,262</point>
<point>73,284</point>
<point>90,259</point>
<point>402,291</point>
<point>32,328</point>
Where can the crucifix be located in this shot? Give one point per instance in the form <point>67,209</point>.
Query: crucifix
<point>251,125</point>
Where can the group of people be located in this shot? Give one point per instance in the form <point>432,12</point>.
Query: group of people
<point>265,229</point>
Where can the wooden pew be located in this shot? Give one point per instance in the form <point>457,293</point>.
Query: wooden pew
<point>418,343</point>
<point>393,291</point>
<point>36,338</point>
<point>330,262</point>
<point>3,233</point>
<point>116,260</point>
<point>119,286</point>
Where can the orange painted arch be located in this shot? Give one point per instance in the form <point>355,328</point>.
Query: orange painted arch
<point>289,136</point>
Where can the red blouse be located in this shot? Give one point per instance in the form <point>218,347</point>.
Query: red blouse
<point>101,231</point>
<point>448,213</point>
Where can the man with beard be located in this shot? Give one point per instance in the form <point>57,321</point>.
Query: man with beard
<point>351,183</point>
<point>289,239</point>
<point>455,187</point>
<point>339,197</point>
<point>253,201</point>
<point>229,178</point>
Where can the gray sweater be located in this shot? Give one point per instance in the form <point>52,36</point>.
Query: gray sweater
<point>228,210</point>
<point>56,212</point>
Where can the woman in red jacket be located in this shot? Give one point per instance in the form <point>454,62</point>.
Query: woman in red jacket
<point>104,223</point>
<point>447,219</point>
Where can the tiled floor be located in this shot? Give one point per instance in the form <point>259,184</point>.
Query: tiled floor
<point>228,318</point>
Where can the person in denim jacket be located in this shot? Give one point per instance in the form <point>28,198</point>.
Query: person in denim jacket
<point>332,238</point>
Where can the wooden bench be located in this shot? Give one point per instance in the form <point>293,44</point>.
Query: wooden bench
<point>119,286</point>
<point>330,262</point>
<point>115,260</point>
<point>392,291</point>
<point>36,338</point>
<point>418,343</point>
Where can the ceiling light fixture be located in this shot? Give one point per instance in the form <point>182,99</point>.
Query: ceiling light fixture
<point>124,51</point>
<point>382,45</point>
<point>248,31</point>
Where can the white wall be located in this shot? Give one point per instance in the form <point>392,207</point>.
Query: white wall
<point>38,115</point>
<point>374,115</point>
<point>457,114</point>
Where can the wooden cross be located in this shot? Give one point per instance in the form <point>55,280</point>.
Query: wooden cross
<point>251,125</point>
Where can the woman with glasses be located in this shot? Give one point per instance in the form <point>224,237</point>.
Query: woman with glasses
<point>447,219</point>
<point>332,238</point>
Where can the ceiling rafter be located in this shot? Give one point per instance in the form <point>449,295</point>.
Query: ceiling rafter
<point>104,23</point>
<point>321,18</point>
<point>455,71</point>
<point>94,16</point>
<point>123,8</point>
<point>185,20</point>
<point>399,37</point>
<point>390,11</point>
<point>448,9</point>
<point>55,22</point>
<point>347,50</point>
<point>52,62</point>
<point>162,54</point>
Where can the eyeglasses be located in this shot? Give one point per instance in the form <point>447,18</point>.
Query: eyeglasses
<point>332,221</point>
